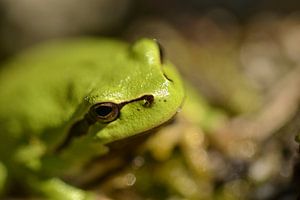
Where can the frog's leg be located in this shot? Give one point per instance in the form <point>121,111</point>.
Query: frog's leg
<point>3,176</point>
<point>56,189</point>
<point>52,188</point>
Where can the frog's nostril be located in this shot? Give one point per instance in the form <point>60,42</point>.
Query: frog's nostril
<point>161,52</point>
<point>167,77</point>
<point>148,100</point>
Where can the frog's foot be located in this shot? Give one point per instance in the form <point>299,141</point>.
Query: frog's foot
<point>3,176</point>
<point>56,189</point>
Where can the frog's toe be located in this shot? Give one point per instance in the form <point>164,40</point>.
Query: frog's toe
<point>56,189</point>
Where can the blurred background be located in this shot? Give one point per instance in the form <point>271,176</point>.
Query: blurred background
<point>240,59</point>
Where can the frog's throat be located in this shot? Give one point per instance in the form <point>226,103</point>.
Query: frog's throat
<point>82,126</point>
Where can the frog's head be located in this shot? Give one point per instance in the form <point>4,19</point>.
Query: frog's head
<point>143,91</point>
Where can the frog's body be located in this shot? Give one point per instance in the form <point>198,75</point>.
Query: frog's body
<point>49,98</point>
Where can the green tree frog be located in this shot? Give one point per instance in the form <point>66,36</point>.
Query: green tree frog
<point>62,102</point>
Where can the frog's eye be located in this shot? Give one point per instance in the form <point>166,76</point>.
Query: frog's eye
<point>162,58</point>
<point>147,50</point>
<point>105,112</point>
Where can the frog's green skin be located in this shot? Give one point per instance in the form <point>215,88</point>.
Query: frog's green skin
<point>48,89</point>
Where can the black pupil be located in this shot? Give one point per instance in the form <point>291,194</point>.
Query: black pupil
<point>103,110</point>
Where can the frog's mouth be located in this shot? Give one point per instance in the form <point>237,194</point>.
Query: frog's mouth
<point>104,112</point>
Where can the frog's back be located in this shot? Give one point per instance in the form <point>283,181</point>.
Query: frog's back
<point>42,88</point>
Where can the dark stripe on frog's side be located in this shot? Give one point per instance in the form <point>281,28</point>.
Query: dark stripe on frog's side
<point>78,129</point>
<point>120,155</point>
<point>82,126</point>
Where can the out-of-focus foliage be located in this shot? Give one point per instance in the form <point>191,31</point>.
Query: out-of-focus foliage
<point>234,138</point>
